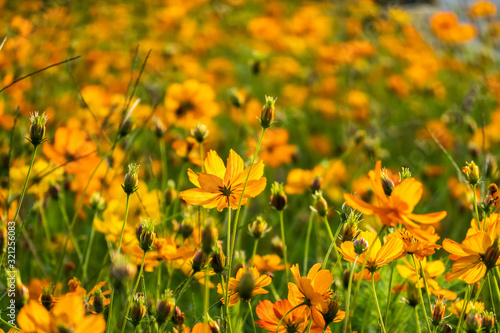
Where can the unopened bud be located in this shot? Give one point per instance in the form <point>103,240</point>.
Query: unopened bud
<point>37,129</point>
<point>98,301</point>
<point>218,261</point>
<point>122,271</point>
<point>333,308</point>
<point>316,184</point>
<point>278,196</point>
<point>47,299</point>
<point>146,235</point>
<point>158,128</point>
<point>320,206</point>
<point>198,261</point>
<point>446,328</point>
<point>267,115</point>
<point>492,254</point>
<point>438,313</point>
<point>164,307</point>
<point>277,245</point>
<point>488,321</point>
<point>258,228</point>
<point>131,181</point>
<point>349,231</point>
<point>387,183</point>
<point>170,193</point>
<point>178,317</point>
<point>360,246</point>
<point>471,171</point>
<point>473,321</point>
<point>209,237</point>
<point>126,127</point>
<point>246,285</point>
<point>138,309</point>
<point>200,132</point>
<point>413,298</point>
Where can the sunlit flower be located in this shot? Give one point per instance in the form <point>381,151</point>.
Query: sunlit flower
<point>220,187</point>
<point>398,207</point>
<point>260,281</point>
<point>378,255</point>
<point>268,263</point>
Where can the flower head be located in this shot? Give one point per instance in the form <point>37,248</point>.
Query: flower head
<point>248,283</point>
<point>221,187</point>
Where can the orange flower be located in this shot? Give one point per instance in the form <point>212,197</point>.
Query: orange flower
<point>474,257</point>
<point>270,315</point>
<point>275,148</point>
<point>378,255</point>
<point>398,206</point>
<point>313,290</point>
<point>234,284</point>
<point>218,184</point>
<point>482,8</point>
<point>68,315</point>
<point>446,27</point>
<point>268,263</point>
<point>419,248</point>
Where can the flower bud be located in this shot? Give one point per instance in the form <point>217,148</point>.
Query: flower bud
<point>473,321</point>
<point>178,317</point>
<point>158,128</point>
<point>236,98</point>
<point>413,298</point>
<point>54,191</point>
<point>320,206</point>
<point>97,203</point>
<point>164,307</point>
<point>446,328</point>
<point>98,301</point>
<point>316,184</point>
<point>349,231</point>
<point>277,245</point>
<point>186,228</point>
<point>438,313</point>
<point>490,202</point>
<point>267,115</point>
<point>360,246</point>
<point>138,309</point>
<point>146,235</point>
<point>246,285</point>
<point>122,271</point>
<point>46,298</point>
<point>218,261</point>
<point>488,321</point>
<point>471,172</point>
<point>492,254</point>
<point>198,261</point>
<point>387,183</point>
<point>258,228</point>
<point>200,132</point>
<point>126,127</point>
<point>404,174</point>
<point>278,196</point>
<point>333,308</point>
<point>37,128</point>
<point>131,181</point>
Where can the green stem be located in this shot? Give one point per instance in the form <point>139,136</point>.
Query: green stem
<point>389,293</point>
<point>88,250</point>
<point>201,157</point>
<point>464,308</point>
<point>491,294</point>
<point>426,286</point>
<point>110,311</point>
<point>251,314</point>
<point>11,326</point>
<point>376,303</point>
<point>330,233</point>
<point>284,245</point>
<point>23,192</point>
<point>255,244</point>
<point>236,220</point>
<point>478,291</point>
<point>275,293</point>
<point>417,319</point>
<point>308,238</point>
<point>226,294</point>
<point>475,207</point>
<point>164,166</point>
<point>124,223</point>
<point>206,299</point>
<point>420,292</point>
<point>133,292</point>
<point>349,285</point>
<point>286,314</point>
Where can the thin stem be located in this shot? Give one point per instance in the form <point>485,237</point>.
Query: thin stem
<point>236,219</point>
<point>417,319</point>
<point>275,293</point>
<point>491,294</point>
<point>164,166</point>
<point>389,293</point>
<point>201,157</point>
<point>255,244</point>
<point>110,311</point>
<point>420,293</point>
<point>284,245</point>
<point>425,283</point>
<point>206,299</point>
<point>286,314</point>
<point>133,292</point>
<point>88,250</point>
<point>124,223</point>
<point>351,275</point>
<point>23,192</point>
<point>226,294</point>
<point>376,303</point>
<point>464,308</point>
<point>481,284</point>
<point>251,315</point>
<point>474,199</point>
<point>330,233</point>
<point>308,238</point>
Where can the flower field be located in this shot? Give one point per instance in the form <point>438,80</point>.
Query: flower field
<point>249,166</point>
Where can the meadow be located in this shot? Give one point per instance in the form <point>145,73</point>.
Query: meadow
<point>249,166</point>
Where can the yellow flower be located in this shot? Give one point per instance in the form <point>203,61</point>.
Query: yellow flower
<point>220,187</point>
<point>260,281</point>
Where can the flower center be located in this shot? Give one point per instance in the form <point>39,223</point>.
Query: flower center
<point>226,191</point>
<point>183,108</point>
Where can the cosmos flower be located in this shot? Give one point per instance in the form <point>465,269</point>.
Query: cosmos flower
<point>218,184</point>
<point>259,282</point>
